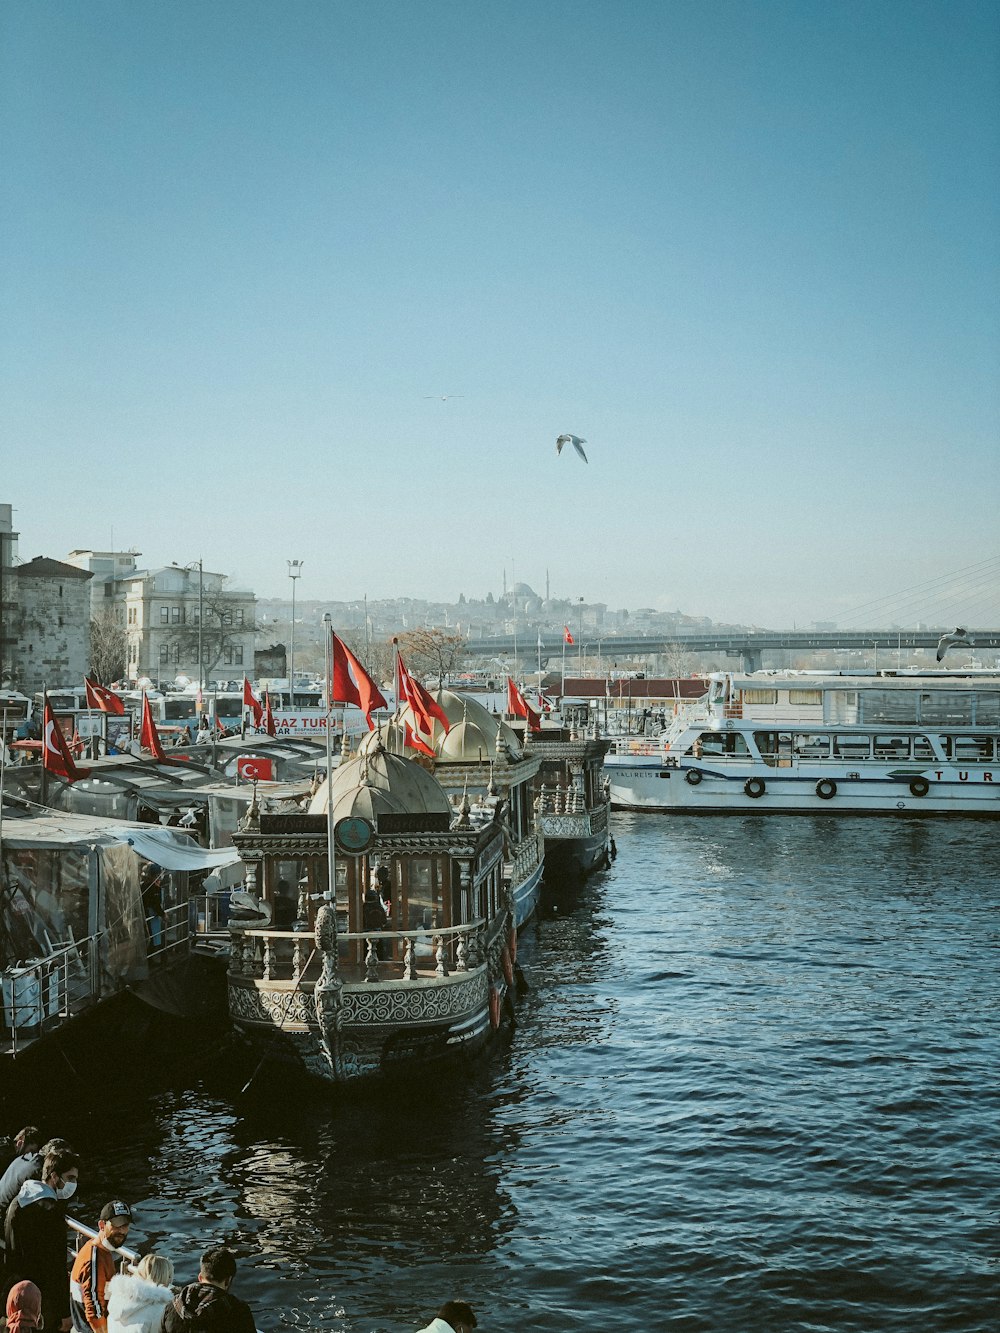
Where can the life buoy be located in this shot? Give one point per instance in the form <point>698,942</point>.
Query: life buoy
<point>755,787</point>
<point>508,966</point>
<point>826,789</point>
<point>693,776</point>
<point>494,1008</point>
<point>919,787</point>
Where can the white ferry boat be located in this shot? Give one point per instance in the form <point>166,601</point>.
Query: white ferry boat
<point>801,742</point>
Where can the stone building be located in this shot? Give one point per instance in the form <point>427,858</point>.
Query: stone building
<point>51,625</point>
<point>175,613</point>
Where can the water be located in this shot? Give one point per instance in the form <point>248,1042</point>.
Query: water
<point>753,1086</point>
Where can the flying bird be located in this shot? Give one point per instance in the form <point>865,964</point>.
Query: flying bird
<point>575,441</point>
<point>958,638</point>
<point>443,397</point>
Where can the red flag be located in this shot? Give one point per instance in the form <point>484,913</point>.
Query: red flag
<point>149,737</point>
<point>411,738</point>
<point>351,683</point>
<point>567,637</point>
<point>56,757</point>
<point>518,705</point>
<point>268,716</point>
<point>219,723</point>
<point>251,701</point>
<point>423,705</point>
<point>99,697</point>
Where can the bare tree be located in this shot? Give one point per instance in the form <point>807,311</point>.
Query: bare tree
<point>227,617</point>
<point>108,648</point>
<point>432,652</point>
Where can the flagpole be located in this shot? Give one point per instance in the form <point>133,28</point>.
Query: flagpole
<point>513,594</point>
<point>331,869</point>
<point>563,691</point>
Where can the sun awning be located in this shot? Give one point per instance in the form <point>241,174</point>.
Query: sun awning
<point>175,851</point>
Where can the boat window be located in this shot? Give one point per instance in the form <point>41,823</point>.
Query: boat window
<point>760,696</point>
<point>719,744</point>
<point>892,747</point>
<point>959,708</point>
<point>810,745</point>
<point>922,748</point>
<point>888,706</point>
<point>849,746</point>
<point>805,696</point>
<point>969,749</point>
<point>421,907</point>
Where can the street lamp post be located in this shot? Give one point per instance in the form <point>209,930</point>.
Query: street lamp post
<point>294,573</point>
<point>201,634</point>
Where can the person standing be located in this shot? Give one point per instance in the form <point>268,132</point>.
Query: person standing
<point>453,1317</point>
<point>206,1306</point>
<point>20,1166</point>
<point>95,1265</point>
<point>35,1235</point>
<point>136,1301</point>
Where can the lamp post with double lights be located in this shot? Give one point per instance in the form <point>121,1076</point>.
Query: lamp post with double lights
<point>294,573</point>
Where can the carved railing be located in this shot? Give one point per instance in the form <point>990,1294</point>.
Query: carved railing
<point>363,956</point>
<point>527,855</point>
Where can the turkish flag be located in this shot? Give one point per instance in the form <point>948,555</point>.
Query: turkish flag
<point>251,701</point>
<point>411,739</point>
<point>351,683</point>
<point>149,737</point>
<point>255,769</point>
<point>99,697</point>
<point>567,637</point>
<point>268,719</point>
<point>56,757</point>
<point>424,707</point>
<point>518,706</point>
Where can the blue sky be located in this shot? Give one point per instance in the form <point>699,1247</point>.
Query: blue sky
<point>749,251</point>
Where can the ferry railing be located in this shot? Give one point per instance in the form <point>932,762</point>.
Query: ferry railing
<point>42,991</point>
<point>168,933</point>
<point>80,1233</point>
<point>367,955</point>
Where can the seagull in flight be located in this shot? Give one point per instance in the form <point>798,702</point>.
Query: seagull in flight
<point>575,441</point>
<point>443,397</point>
<point>958,638</point>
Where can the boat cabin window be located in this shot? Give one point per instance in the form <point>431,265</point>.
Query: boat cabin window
<point>813,697</point>
<point>760,696</point>
<point>892,747</point>
<point>718,744</point>
<point>810,745</point>
<point>850,746</point>
<point>922,748</point>
<point>421,899</point>
<point>969,749</point>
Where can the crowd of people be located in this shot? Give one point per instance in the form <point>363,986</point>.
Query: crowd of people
<point>98,1290</point>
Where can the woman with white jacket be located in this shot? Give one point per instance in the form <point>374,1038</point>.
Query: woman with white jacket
<point>136,1301</point>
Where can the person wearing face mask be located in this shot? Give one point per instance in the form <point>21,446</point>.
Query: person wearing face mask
<point>35,1235</point>
<point>95,1265</point>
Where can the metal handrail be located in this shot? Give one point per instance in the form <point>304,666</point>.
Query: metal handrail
<point>84,1233</point>
<point>41,989</point>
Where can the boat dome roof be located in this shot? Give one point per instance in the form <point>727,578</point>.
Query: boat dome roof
<point>377,782</point>
<point>471,738</point>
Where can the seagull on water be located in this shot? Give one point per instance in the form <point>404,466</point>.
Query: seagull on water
<point>958,638</point>
<point>575,441</point>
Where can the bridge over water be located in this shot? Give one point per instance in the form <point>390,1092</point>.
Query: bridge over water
<point>748,645</point>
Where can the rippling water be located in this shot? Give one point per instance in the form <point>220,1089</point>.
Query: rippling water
<point>753,1086</point>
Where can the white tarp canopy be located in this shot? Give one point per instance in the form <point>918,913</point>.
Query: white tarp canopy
<point>174,851</point>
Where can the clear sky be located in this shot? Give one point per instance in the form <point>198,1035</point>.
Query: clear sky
<point>748,250</point>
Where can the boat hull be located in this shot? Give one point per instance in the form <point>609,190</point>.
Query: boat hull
<point>387,1030</point>
<point>723,789</point>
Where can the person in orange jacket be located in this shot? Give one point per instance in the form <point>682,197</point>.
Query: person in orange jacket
<point>95,1264</point>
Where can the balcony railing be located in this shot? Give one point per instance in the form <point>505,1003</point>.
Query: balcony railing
<point>42,992</point>
<point>365,956</point>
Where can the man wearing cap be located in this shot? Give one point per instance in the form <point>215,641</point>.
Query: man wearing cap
<point>94,1266</point>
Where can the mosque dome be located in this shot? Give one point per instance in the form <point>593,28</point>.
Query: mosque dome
<point>377,782</point>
